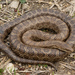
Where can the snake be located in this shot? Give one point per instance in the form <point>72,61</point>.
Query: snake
<point>32,45</point>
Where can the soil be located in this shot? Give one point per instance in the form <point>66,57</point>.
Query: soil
<point>64,67</point>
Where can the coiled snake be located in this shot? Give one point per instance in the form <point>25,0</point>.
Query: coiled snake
<point>25,29</point>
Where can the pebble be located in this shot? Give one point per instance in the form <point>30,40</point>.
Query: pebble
<point>29,66</point>
<point>69,73</point>
<point>14,4</point>
<point>20,64</point>
<point>25,6</point>
<point>49,68</point>
<point>41,67</point>
<point>4,5</point>
<point>17,74</point>
<point>50,3</point>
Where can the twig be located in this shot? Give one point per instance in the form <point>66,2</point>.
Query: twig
<point>52,6</point>
<point>67,66</point>
<point>5,63</point>
<point>7,13</point>
<point>55,2</point>
<point>3,19</point>
<point>39,2</point>
<point>8,72</point>
<point>1,59</point>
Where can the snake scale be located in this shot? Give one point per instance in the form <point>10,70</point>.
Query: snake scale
<point>25,29</point>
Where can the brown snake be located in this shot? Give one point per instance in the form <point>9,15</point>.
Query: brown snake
<point>25,29</point>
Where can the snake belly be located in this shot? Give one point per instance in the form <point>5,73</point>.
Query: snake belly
<point>26,28</point>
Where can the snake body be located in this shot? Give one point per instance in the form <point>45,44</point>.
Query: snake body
<point>26,28</point>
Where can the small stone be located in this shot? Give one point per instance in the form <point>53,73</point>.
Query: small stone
<point>69,73</point>
<point>20,64</point>
<point>52,68</point>
<point>65,58</point>
<point>25,6</point>
<point>50,3</point>
<point>49,68</point>
<point>29,66</point>
<point>41,67</point>
<point>4,5</point>
<point>17,74</point>
<point>14,4</point>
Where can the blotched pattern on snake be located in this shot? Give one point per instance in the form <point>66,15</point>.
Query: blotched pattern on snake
<point>30,44</point>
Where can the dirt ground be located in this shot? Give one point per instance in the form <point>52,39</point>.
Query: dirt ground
<point>8,13</point>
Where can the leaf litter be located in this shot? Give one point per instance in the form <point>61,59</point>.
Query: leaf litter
<point>10,9</point>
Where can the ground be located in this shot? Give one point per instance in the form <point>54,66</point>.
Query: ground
<point>10,10</point>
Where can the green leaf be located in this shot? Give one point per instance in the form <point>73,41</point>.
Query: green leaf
<point>53,73</point>
<point>14,72</point>
<point>46,66</point>
<point>1,74</point>
<point>22,1</point>
<point>39,65</point>
<point>1,71</point>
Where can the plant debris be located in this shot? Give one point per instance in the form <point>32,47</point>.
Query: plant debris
<point>10,9</point>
